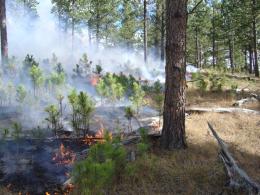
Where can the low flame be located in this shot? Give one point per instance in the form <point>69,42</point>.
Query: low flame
<point>155,125</point>
<point>94,80</point>
<point>98,137</point>
<point>64,156</point>
<point>100,132</point>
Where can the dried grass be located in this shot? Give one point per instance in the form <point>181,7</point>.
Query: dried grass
<point>198,170</point>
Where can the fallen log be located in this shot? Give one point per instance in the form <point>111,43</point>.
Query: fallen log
<point>244,101</point>
<point>241,77</point>
<point>221,110</point>
<point>238,178</point>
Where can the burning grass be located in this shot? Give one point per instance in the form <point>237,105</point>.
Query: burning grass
<point>64,156</point>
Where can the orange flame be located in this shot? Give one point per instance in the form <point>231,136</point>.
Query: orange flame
<point>100,132</point>
<point>64,156</point>
<point>94,80</point>
<point>98,137</point>
<point>155,125</point>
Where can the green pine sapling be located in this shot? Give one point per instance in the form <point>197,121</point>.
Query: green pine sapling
<point>53,118</point>
<point>5,133</point>
<point>102,89</point>
<point>20,94</point>
<point>159,99</point>
<point>137,97</point>
<point>85,108</point>
<point>37,77</point>
<point>17,130</point>
<point>85,63</point>
<point>60,99</point>
<point>10,92</point>
<point>73,99</point>
<point>98,69</point>
<point>129,114</point>
<point>29,62</point>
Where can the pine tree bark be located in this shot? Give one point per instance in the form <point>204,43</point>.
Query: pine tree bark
<point>256,67</point>
<point>157,30</point>
<point>4,42</point>
<point>250,60</point>
<point>213,39</point>
<point>231,56</point>
<point>73,27</point>
<point>163,32</point>
<point>145,31</point>
<point>173,132</point>
<point>197,54</point>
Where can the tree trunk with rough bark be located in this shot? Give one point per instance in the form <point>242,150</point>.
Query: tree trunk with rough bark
<point>4,43</point>
<point>231,56</point>
<point>163,33</point>
<point>145,31</point>
<point>250,60</point>
<point>173,132</point>
<point>256,67</point>
<point>213,39</point>
<point>157,30</point>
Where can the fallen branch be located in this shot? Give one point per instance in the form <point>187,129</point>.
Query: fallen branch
<point>221,110</point>
<point>242,102</point>
<point>241,77</point>
<point>238,178</point>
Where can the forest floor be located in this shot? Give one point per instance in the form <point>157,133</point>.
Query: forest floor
<point>198,169</point>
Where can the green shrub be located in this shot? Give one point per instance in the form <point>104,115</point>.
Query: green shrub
<point>36,77</point>
<point>216,82</point>
<point>137,97</point>
<point>159,100</point>
<point>17,130</point>
<point>82,108</point>
<point>29,62</point>
<point>234,87</point>
<point>143,146</point>
<point>5,133</point>
<point>53,117</point>
<point>98,70</point>
<point>200,81</point>
<point>129,114</point>
<point>157,87</point>
<point>110,87</point>
<point>104,165</point>
<point>20,93</point>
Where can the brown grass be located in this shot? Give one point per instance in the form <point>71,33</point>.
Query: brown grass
<point>209,99</point>
<point>197,170</point>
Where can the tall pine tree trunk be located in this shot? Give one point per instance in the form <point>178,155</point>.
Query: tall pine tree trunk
<point>231,56</point>
<point>145,31</point>
<point>245,59</point>
<point>173,132</point>
<point>163,32</point>
<point>157,30</point>
<point>4,43</point>
<point>213,39</point>
<point>197,48</point>
<point>250,60</point>
<point>256,67</point>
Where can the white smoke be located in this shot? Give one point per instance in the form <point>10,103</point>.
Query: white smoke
<point>41,37</point>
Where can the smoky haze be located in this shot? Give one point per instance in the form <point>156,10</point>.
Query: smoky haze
<point>41,38</point>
